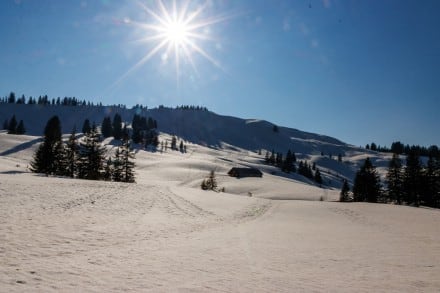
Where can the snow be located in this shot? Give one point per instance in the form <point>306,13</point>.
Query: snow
<point>164,234</point>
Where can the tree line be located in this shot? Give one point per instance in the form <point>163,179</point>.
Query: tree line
<point>83,158</point>
<point>399,148</point>
<point>13,127</point>
<point>414,183</point>
<point>287,165</point>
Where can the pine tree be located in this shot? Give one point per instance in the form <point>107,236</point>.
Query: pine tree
<point>412,177</point>
<point>71,154</point>
<point>108,170</point>
<point>117,166</point>
<point>86,127</point>
<point>429,181</point>
<point>181,146</point>
<point>6,124</point>
<point>209,183</point>
<point>91,161</point>
<point>47,152</point>
<point>317,177</point>
<point>106,127</point>
<point>344,195</point>
<point>174,143</point>
<point>12,127</point>
<point>20,128</point>
<point>395,180</point>
<point>117,126</point>
<point>288,163</point>
<point>127,163</point>
<point>136,126</point>
<point>366,183</point>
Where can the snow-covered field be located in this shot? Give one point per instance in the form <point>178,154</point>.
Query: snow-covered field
<point>164,234</point>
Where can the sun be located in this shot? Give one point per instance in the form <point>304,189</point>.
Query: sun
<point>177,33</point>
<point>176,30</point>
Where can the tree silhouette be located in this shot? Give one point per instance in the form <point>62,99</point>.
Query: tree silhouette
<point>395,179</point>
<point>366,183</point>
<point>44,160</point>
<point>345,190</point>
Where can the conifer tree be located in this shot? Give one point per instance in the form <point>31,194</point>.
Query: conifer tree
<point>429,190</point>
<point>366,183</point>
<point>47,152</point>
<point>317,177</point>
<point>412,177</point>
<point>209,183</point>
<point>71,154</point>
<point>288,163</point>
<point>181,146</point>
<point>91,161</point>
<point>12,127</point>
<point>117,126</point>
<point>395,180</point>
<point>174,143</point>
<point>5,124</point>
<point>86,127</point>
<point>106,127</point>
<point>20,128</point>
<point>127,163</point>
<point>344,195</point>
<point>117,166</point>
<point>108,170</point>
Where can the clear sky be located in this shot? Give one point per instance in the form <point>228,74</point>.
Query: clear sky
<point>360,71</point>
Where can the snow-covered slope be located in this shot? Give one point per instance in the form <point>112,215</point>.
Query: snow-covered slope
<point>201,127</point>
<point>222,133</point>
<point>164,234</point>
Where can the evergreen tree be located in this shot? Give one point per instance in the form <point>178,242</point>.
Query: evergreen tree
<point>6,124</point>
<point>20,128</point>
<point>117,166</point>
<point>366,183</point>
<point>91,161</point>
<point>395,179</point>
<point>108,170</point>
<point>71,154</point>
<point>344,195</point>
<point>181,146</point>
<point>412,177</point>
<point>117,126</point>
<point>106,127</point>
<point>174,143</point>
<point>11,98</point>
<point>209,183</point>
<point>12,127</point>
<point>127,157</point>
<point>86,127</point>
<point>428,189</point>
<point>47,152</point>
<point>288,165</point>
<point>136,126</point>
<point>317,177</point>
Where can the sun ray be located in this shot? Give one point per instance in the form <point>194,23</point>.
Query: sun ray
<point>178,28</point>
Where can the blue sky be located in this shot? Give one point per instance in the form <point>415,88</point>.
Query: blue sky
<point>360,71</point>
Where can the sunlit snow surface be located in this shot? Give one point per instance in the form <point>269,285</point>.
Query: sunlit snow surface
<point>164,234</point>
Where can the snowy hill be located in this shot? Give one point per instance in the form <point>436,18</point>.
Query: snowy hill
<point>201,127</point>
<point>278,233</point>
<point>205,128</point>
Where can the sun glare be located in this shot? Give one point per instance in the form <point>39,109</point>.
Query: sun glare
<point>176,31</point>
